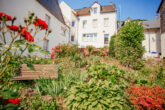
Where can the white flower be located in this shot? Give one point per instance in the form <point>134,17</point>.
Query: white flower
<point>65,88</point>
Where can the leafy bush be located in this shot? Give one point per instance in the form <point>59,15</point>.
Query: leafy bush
<point>36,102</point>
<point>128,45</point>
<point>145,97</point>
<point>102,90</point>
<point>95,95</point>
<point>111,46</point>
<point>104,72</point>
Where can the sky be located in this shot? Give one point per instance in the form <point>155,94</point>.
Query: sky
<point>134,9</point>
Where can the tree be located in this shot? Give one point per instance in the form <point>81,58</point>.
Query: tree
<point>128,45</point>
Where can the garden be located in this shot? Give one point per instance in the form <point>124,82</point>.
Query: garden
<point>110,78</point>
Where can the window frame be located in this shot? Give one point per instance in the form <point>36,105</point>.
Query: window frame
<point>94,23</point>
<point>84,25</point>
<point>95,11</point>
<point>73,23</point>
<point>105,22</point>
<point>106,37</point>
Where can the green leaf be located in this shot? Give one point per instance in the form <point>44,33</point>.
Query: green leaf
<point>19,42</point>
<point>143,82</point>
<point>1,44</point>
<point>10,106</point>
<point>45,52</point>
<point>29,65</point>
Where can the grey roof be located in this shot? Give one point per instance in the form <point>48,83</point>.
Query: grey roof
<point>53,7</point>
<point>151,24</point>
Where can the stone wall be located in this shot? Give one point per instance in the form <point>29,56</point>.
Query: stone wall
<point>162,17</point>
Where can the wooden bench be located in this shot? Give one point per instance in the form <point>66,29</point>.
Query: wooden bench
<point>41,71</point>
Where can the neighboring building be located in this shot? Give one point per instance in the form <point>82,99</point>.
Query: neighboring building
<point>71,21</point>
<point>47,10</point>
<point>161,10</point>
<point>152,42</point>
<point>92,26</point>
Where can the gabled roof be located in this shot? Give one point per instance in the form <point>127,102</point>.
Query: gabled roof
<point>151,24</point>
<point>104,9</point>
<point>160,5</point>
<point>109,8</point>
<point>53,7</point>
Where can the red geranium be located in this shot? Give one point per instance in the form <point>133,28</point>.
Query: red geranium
<point>145,97</point>
<point>7,16</point>
<point>13,28</point>
<point>41,23</point>
<point>14,101</point>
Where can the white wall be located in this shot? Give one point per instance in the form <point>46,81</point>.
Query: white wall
<point>152,43</point>
<point>20,8</point>
<point>67,12</point>
<point>100,30</point>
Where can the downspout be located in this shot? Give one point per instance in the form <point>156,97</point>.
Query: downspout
<point>149,42</point>
<point>77,29</point>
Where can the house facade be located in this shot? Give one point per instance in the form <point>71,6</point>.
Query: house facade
<point>92,26</point>
<point>161,10</point>
<point>47,10</point>
<point>152,42</point>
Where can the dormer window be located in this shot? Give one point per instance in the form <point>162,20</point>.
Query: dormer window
<point>94,10</point>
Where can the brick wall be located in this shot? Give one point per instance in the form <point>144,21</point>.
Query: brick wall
<point>162,17</point>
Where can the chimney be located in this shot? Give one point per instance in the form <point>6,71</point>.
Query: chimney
<point>157,17</point>
<point>111,3</point>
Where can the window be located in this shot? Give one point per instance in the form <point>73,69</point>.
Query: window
<point>72,38</point>
<point>89,37</point>
<point>94,10</point>
<point>47,19</point>
<point>106,38</point>
<point>106,22</point>
<point>45,45</point>
<point>84,23</point>
<point>95,23</point>
<point>73,23</point>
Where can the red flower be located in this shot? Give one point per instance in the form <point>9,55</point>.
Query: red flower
<point>7,16</point>
<point>61,46</point>
<point>13,28</point>
<point>14,101</point>
<point>41,23</point>
<point>57,47</point>
<point>58,51</point>
<point>28,37</point>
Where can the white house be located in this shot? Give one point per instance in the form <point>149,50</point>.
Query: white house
<point>47,10</point>
<point>152,42</point>
<point>71,21</point>
<point>91,26</point>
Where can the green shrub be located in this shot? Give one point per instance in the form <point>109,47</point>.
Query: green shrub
<point>36,102</point>
<point>103,90</point>
<point>128,45</point>
<point>111,46</point>
<point>164,61</point>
